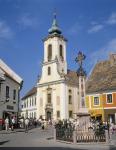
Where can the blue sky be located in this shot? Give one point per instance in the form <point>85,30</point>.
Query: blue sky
<point>89,26</point>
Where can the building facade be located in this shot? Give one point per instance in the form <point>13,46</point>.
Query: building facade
<point>60,92</point>
<point>29,104</point>
<point>10,86</point>
<point>101,90</point>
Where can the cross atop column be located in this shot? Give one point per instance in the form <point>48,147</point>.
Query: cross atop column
<point>79,59</point>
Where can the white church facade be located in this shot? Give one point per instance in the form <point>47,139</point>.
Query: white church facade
<point>60,92</point>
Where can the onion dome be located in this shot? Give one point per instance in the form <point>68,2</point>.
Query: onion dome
<point>54,29</point>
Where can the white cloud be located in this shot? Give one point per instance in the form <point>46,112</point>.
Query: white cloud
<point>112,19</point>
<point>75,29</point>
<point>26,20</point>
<point>95,28</point>
<point>5,31</point>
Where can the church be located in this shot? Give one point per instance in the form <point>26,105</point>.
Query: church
<point>60,91</point>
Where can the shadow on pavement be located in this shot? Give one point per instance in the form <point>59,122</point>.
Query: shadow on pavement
<point>3,142</point>
<point>112,148</point>
<point>39,148</point>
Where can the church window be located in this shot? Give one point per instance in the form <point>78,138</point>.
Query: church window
<point>81,86</point>
<point>49,52</point>
<point>49,97</point>
<point>82,102</point>
<point>82,93</point>
<point>70,99</point>
<point>49,70</point>
<point>58,114</point>
<point>70,114</point>
<point>70,91</point>
<point>61,52</point>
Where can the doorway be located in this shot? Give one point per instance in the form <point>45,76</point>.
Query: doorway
<point>48,115</point>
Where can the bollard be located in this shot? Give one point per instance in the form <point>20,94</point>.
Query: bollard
<point>54,134</point>
<point>107,136</point>
<point>74,137</point>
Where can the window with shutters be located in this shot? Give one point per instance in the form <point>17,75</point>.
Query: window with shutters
<point>109,98</point>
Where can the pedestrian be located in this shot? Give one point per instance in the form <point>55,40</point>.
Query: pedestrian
<point>7,124</point>
<point>12,123</point>
<point>26,125</point>
<point>35,122</point>
<point>43,125</point>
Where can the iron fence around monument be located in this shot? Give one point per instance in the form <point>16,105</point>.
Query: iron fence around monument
<point>64,134</point>
<point>80,136</point>
<point>89,137</point>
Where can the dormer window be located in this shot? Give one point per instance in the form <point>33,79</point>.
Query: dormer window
<point>49,52</point>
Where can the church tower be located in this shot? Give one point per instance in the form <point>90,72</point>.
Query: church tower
<point>54,63</point>
<point>51,88</point>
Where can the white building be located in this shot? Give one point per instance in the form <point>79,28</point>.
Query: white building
<point>60,92</point>
<point>10,86</point>
<point>28,104</point>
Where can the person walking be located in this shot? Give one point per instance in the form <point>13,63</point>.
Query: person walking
<point>26,125</point>
<point>7,124</point>
<point>12,123</point>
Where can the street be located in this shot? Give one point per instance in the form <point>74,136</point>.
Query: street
<point>39,138</point>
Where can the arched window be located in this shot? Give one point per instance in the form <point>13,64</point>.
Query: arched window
<point>49,52</point>
<point>49,70</point>
<point>61,52</point>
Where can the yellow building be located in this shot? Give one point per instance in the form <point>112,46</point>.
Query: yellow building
<point>101,90</point>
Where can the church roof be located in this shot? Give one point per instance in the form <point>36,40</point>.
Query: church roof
<point>30,93</point>
<point>72,77</point>
<point>103,76</point>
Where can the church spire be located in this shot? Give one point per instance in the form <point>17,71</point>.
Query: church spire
<point>54,29</point>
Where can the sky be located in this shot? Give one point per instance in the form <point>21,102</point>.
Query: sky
<point>89,26</point>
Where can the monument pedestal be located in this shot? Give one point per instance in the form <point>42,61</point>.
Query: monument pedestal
<point>83,119</point>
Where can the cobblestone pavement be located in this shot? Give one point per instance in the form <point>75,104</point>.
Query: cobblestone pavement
<point>38,138</point>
